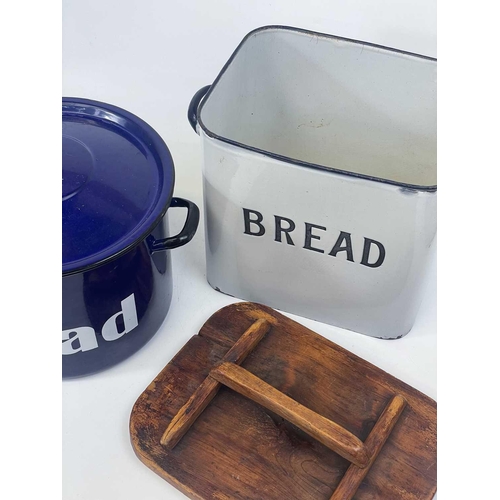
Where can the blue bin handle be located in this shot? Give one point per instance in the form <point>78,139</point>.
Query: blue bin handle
<point>193,107</point>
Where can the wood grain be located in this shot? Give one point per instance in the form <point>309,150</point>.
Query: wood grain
<point>381,431</point>
<point>200,399</point>
<point>240,450</point>
<point>329,433</point>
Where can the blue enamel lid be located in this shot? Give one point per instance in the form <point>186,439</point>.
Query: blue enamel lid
<point>118,178</point>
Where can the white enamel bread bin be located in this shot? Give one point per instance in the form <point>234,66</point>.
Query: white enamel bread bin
<point>320,177</point>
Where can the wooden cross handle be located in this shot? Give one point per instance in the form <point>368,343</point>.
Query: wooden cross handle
<point>354,476</point>
<point>207,390</point>
<point>227,372</point>
<point>325,431</point>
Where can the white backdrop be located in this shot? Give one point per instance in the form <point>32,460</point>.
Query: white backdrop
<point>150,57</point>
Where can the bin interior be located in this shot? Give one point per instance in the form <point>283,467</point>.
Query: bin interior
<point>326,101</point>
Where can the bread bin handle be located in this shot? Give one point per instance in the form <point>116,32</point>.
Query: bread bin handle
<point>193,107</point>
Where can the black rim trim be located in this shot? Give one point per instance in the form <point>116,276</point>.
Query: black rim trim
<point>302,163</point>
<point>164,210</point>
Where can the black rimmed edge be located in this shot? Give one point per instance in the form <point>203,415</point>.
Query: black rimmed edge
<point>200,98</point>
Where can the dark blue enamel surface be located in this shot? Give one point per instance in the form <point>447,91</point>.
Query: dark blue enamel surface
<point>90,298</point>
<point>118,179</point>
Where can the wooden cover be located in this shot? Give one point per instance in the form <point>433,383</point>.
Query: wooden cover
<point>214,442</point>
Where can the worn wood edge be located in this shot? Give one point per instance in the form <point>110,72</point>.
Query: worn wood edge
<point>150,464</point>
<point>248,308</point>
<point>149,388</point>
<point>354,476</point>
<point>134,439</point>
<point>432,494</point>
<point>274,318</point>
<point>208,389</point>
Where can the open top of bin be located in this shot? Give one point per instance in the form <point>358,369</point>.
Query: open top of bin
<point>327,102</point>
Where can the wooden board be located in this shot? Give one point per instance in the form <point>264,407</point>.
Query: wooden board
<point>237,449</point>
